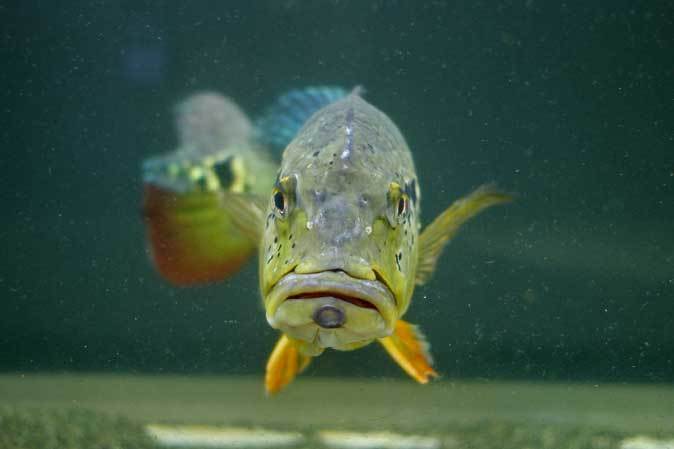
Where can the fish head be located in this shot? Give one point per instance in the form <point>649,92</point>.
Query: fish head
<point>207,122</point>
<point>338,255</point>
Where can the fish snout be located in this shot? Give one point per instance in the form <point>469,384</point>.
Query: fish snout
<point>331,309</point>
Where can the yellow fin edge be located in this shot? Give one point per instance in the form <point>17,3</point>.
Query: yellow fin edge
<point>410,350</point>
<point>284,364</point>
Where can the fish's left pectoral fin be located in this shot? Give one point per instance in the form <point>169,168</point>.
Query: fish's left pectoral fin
<point>438,233</point>
<point>246,211</point>
<point>409,348</point>
<point>285,362</point>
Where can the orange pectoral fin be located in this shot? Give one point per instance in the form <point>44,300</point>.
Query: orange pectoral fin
<point>284,363</point>
<point>193,240</point>
<point>408,347</point>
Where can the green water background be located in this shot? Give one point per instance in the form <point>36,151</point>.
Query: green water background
<point>568,104</point>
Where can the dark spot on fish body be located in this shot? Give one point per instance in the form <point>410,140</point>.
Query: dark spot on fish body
<point>275,239</point>
<point>293,245</point>
<point>201,183</point>
<point>223,171</point>
<point>315,153</point>
<point>362,201</point>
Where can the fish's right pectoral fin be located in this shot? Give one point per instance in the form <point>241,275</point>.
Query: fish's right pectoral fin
<point>285,362</point>
<point>409,348</point>
<point>438,233</point>
<point>246,211</point>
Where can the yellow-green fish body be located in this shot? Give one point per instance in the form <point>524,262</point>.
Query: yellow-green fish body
<point>348,230</point>
<point>340,249</point>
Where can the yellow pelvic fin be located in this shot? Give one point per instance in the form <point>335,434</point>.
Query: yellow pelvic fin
<point>284,363</point>
<point>436,235</point>
<point>410,350</point>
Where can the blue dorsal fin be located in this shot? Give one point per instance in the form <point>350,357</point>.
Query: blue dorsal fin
<point>281,121</point>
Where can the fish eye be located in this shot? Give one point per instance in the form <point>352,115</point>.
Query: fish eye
<point>280,202</point>
<point>398,204</point>
<point>402,205</point>
<point>283,196</point>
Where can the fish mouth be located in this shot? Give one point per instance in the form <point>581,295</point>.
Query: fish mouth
<point>337,295</point>
<point>335,298</point>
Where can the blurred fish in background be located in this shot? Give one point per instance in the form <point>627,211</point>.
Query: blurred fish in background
<point>191,235</point>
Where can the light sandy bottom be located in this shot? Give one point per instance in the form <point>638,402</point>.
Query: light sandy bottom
<point>325,412</point>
